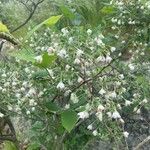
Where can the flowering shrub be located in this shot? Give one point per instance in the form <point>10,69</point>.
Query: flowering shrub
<point>81,78</point>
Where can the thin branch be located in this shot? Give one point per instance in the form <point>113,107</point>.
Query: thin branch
<point>12,129</point>
<point>88,80</point>
<point>7,138</point>
<point>25,4</point>
<point>96,76</point>
<point>35,5</point>
<point>1,45</point>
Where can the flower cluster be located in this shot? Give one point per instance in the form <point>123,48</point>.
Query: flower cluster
<point>97,74</point>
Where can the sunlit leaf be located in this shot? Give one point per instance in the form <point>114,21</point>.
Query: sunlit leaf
<point>108,9</point>
<point>49,22</point>
<point>9,146</point>
<point>52,20</point>
<point>3,28</point>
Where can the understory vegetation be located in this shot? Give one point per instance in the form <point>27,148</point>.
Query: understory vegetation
<point>75,74</point>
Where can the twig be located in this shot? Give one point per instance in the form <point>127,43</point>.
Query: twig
<point>1,45</point>
<point>25,4</point>
<point>97,75</point>
<point>30,16</point>
<point>7,138</point>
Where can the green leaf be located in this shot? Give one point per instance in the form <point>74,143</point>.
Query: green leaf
<point>3,28</point>
<point>9,146</point>
<point>24,54</point>
<point>52,20</point>
<point>108,10</point>
<point>69,119</point>
<point>49,22</point>
<point>32,31</point>
<point>67,13</point>
<point>52,107</point>
<point>47,60</point>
